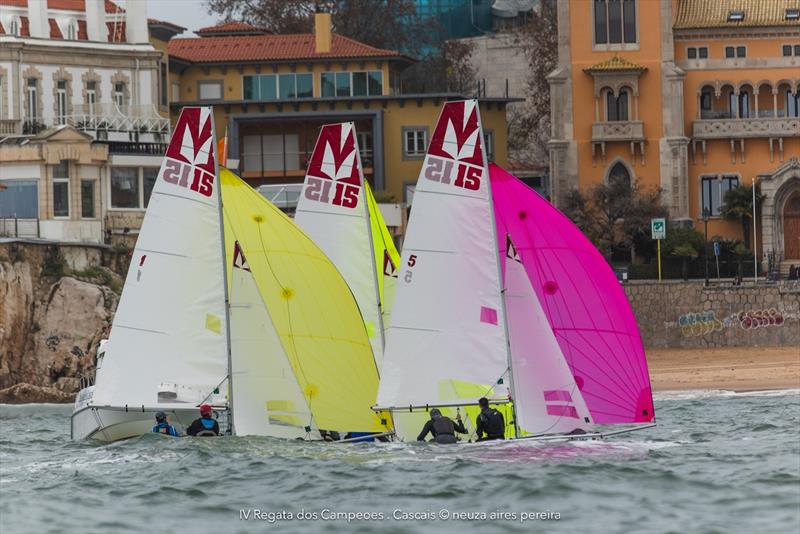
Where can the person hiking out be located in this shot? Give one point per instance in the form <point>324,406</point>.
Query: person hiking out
<point>442,428</point>
<point>206,425</point>
<point>490,422</point>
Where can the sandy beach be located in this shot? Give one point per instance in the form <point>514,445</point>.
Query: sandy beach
<point>737,368</point>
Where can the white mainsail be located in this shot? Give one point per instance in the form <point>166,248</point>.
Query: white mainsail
<point>448,339</point>
<point>333,210</point>
<point>170,325</point>
<point>547,400</point>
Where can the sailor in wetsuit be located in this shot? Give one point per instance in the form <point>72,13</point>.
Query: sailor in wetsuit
<point>489,422</point>
<point>442,428</point>
<point>206,425</point>
<point>163,427</point>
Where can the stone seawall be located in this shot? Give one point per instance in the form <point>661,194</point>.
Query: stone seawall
<point>687,315</point>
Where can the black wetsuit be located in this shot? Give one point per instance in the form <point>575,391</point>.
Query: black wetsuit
<point>443,429</point>
<point>205,426</point>
<point>491,423</point>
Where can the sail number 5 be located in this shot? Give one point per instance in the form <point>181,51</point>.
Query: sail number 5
<point>412,261</point>
<point>441,170</point>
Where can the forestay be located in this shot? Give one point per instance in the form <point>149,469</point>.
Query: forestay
<point>447,335</point>
<point>170,325</point>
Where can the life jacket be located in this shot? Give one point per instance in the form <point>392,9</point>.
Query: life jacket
<point>493,423</point>
<point>443,425</point>
<point>208,425</point>
<point>164,428</point>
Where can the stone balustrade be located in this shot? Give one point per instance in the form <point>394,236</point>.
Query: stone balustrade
<point>746,128</point>
<point>617,131</point>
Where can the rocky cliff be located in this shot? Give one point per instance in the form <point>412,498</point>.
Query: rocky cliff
<point>55,311</point>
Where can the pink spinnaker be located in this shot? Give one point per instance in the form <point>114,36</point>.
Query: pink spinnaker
<point>582,299</point>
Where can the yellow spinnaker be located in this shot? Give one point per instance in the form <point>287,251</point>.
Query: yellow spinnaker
<point>381,241</point>
<point>311,307</point>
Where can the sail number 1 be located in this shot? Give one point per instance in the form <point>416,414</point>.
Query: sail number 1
<point>412,261</point>
<point>441,170</point>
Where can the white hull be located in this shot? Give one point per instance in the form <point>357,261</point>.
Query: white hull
<point>112,423</point>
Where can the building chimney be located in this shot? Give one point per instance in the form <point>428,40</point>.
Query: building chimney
<point>96,28</point>
<point>136,22</point>
<point>322,33</point>
<point>37,19</point>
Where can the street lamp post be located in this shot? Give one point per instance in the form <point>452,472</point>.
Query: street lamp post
<point>706,214</point>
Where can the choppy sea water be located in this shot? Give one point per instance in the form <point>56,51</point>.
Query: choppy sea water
<point>717,462</point>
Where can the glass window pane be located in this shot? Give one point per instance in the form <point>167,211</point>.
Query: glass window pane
<point>375,83</point>
<point>267,88</point>
<point>691,52</point>
<point>703,52</point>
<point>210,91</point>
<point>250,88</point>
<point>797,50</point>
<point>611,106</point>
<point>791,105</point>
<point>328,84</point>
<point>622,106</point>
<point>251,152</point>
<point>787,50</point>
<point>359,84</point>
<point>20,199</point>
<point>61,199</point>
<point>149,175</point>
<point>409,142</point>
<point>87,199</point>
<point>614,21</point>
<point>342,84</point>
<point>61,170</point>
<point>305,85</point>
<point>272,146</point>
<point>124,187</point>
<point>741,51</point>
<point>728,51</point>
<point>286,86</point>
<point>716,197</point>
<point>600,31</point>
<point>629,15</point>
<point>706,194</point>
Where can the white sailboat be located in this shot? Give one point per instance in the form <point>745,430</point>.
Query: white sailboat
<point>275,342</point>
<point>467,322</point>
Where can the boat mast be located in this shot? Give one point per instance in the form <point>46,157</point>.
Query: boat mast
<point>218,179</point>
<point>499,279</point>
<point>368,219</point>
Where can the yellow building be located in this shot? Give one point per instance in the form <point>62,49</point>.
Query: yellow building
<point>273,92</point>
<point>692,96</point>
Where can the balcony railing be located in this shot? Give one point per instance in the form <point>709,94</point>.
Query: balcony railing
<point>617,131</point>
<point>136,147</point>
<point>725,128</point>
<point>9,127</point>
<point>104,118</point>
<point>761,114</point>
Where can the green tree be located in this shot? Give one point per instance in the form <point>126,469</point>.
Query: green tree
<point>738,206</point>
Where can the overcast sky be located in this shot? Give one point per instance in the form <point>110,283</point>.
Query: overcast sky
<point>191,14</point>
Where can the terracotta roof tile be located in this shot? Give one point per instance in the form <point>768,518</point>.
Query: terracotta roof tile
<point>714,14</point>
<point>614,64</point>
<point>269,48</point>
<point>231,27</point>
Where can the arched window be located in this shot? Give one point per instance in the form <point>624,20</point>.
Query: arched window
<point>744,105</point>
<point>619,174</point>
<point>792,104</point>
<point>706,103</point>
<point>15,26</point>
<point>72,29</point>
<point>617,107</point>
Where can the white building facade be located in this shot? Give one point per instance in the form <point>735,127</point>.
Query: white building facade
<point>83,117</point>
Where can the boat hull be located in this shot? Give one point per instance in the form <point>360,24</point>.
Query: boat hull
<point>113,423</point>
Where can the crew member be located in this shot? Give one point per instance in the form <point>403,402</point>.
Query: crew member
<point>489,422</point>
<point>162,426</point>
<point>206,425</point>
<point>442,428</point>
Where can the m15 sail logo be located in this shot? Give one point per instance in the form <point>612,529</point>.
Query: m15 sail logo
<point>333,174</point>
<point>190,156</point>
<point>455,149</point>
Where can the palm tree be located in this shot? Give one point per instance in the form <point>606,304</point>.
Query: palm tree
<point>738,206</point>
